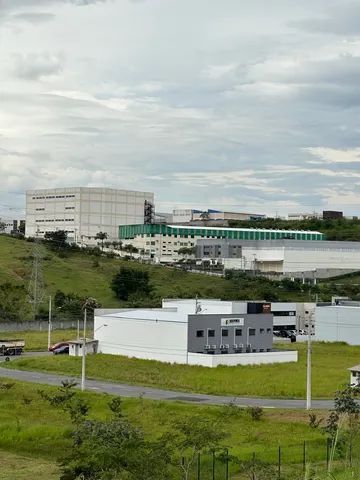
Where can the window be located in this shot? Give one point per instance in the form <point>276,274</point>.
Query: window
<point>224,332</point>
<point>252,331</point>
<point>268,330</point>
<point>238,332</point>
<point>211,333</point>
<point>254,350</point>
<point>262,330</point>
<point>200,333</point>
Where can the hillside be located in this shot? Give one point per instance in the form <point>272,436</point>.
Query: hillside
<point>85,275</point>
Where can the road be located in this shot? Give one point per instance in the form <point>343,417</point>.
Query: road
<point>135,391</point>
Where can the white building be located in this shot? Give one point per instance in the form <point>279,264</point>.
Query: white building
<point>205,332</point>
<point>162,242</point>
<point>12,226</point>
<point>181,216</point>
<point>83,212</point>
<point>338,323</point>
<point>298,258</point>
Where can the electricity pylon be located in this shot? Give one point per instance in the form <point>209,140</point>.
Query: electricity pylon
<point>36,284</point>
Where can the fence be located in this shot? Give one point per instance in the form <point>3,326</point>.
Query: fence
<point>289,462</point>
<point>42,325</point>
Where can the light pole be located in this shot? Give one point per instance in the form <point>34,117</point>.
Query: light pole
<point>308,369</point>
<point>83,363</point>
<point>49,325</point>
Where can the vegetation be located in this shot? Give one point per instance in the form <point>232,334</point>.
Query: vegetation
<point>33,423</point>
<point>37,341</point>
<point>339,229</point>
<point>288,380</point>
<point>130,283</point>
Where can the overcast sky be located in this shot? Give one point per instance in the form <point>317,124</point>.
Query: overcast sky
<point>249,105</point>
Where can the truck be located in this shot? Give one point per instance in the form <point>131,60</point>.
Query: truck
<point>11,347</point>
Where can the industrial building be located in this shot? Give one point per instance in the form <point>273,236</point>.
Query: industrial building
<point>338,323</point>
<point>83,212</point>
<point>310,259</point>
<point>188,216</point>
<point>194,332</point>
<point>12,226</point>
<point>162,242</point>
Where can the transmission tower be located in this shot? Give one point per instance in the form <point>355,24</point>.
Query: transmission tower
<point>36,284</point>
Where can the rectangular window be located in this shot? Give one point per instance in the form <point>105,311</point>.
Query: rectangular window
<point>211,333</point>
<point>238,332</point>
<point>200,333</point>
<point>252,331</point>
<point>224,332</point>
<point>268,330</point>
<point>262,330</point>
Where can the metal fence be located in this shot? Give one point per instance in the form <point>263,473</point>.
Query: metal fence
<point>289,462</point>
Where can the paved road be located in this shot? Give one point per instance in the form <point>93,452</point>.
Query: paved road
<point>134,391</point>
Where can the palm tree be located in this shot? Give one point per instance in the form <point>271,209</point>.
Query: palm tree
<point>101,236</point>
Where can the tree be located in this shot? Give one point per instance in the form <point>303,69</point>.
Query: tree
<point>57,240</point>
<point>101,236</point>
<point>193,435</point>
<point>130,281</point>
<point>187,251</point>
<point>2,226</point>
<point>13,303</point>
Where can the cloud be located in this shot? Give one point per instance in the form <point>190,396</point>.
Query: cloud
<point>32,17</point>
<point>35,66</point>
<point>200,103</point>
<point>332,155</point>
<point>342,20</point>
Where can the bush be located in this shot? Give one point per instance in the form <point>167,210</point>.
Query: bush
<point>256,413</point>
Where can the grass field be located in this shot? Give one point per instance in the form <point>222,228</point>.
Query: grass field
<point>38,340</point>
<point>329,373</point>
<point>20,467</point>
<point>30,427</point>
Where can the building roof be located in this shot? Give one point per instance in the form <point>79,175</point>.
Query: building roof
<point>355,369</point>
<point>131,231</point>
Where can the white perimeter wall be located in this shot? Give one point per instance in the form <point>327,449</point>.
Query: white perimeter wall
<point>242,358</point>
<point>338,324</point>
<point>301,260</point>
<point>149,339</point>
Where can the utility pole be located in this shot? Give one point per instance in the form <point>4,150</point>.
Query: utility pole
<point>83,355</point>
<point>308,369</point>
<point>49,325</point>
<point>36,284</point>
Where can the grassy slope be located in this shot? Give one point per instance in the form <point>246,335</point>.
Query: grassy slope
<point>329,373</point>
<point>77,274</point>
<point>37,341</point>
<point>33,428</point>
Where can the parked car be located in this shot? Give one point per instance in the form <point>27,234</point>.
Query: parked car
<point>58,345</point>
<point>61,350</point>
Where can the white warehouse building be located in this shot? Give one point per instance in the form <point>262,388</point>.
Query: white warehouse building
<point>205,332</point>
<point>84,211</point>
<point>295,257</point>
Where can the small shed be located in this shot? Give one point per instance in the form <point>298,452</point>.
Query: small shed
<point>355,376</point>
<point>76,347</point>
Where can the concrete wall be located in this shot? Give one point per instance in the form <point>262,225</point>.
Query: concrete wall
<point>151,339</point>
<point>42,325</point>
<point>242,358</point>
<point>338,324</point>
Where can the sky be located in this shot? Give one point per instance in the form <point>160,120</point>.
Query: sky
<point>244,105</point>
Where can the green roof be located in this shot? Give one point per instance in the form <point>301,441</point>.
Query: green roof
<point>131,231</point>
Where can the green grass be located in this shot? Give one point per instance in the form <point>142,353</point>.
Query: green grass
<point>329,373</point>
<point>38,340</point>
<point>30,427</point>
<point>20,467</point>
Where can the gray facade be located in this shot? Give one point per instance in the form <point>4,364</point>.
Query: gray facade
<point>230,333</point>
<point>219,248</point>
